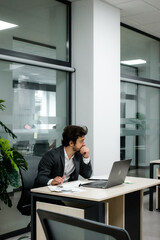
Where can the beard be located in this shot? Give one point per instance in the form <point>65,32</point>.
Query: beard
<point>76,149</point>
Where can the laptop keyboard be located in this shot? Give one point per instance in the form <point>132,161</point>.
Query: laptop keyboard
<point>96,184</point>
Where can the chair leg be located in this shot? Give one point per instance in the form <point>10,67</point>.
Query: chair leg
<point>24,237</point>
<point>29,225</point>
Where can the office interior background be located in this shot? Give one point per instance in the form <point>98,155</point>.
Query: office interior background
<point>68,63</point>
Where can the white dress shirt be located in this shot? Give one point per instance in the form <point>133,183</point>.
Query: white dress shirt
<point>69,166</point>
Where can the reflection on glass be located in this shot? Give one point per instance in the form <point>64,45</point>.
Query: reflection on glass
<point>35,48</point>
<point>37,103</point>
<point>134,46</point>
<point>42,28</point>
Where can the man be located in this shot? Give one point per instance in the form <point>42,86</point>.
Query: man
<point>66,162</point>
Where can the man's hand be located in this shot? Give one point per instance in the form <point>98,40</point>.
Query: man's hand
<point>57,180</point>
<point>85,152</point>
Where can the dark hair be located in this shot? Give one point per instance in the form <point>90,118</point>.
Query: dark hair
<point>71,133</point>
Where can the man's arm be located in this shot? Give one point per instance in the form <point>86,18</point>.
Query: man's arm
<point>85,152</point>
<point>85,167</point>
<point>57,180</point>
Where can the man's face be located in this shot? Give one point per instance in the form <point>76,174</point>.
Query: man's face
<point>79,144</point>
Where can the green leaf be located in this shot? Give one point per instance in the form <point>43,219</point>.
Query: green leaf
<point>19,160</point>
<point>10,162</point>
<point>13,178</point>
<point>7,152</point>
<point>2,106</point>
<point>4,196</point>
<point>7,130</point>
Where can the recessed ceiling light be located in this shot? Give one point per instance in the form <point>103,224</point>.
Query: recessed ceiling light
<point>134,62</point>
<point>6,25</point>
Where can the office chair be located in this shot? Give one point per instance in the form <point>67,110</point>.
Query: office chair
<point>40,147</point>
<point>58,226</point>
<point>27,178</point>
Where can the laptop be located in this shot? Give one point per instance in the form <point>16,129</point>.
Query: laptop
<point>116,177</point>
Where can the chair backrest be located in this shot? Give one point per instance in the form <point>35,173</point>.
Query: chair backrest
<point>40,147</point>
<point>27,177</point>
<point>58,226</point>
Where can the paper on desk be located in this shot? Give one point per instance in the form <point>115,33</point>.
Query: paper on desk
<point>67,187</point>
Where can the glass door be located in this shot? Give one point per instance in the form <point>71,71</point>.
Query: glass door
<point>139,126</point>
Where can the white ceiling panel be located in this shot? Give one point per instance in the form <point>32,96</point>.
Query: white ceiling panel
<point>154,3</point>
<point>141,14</point>
<point>130,22</point>
<point>155,27</point>
<point>116,2</point>
<point>144,19</point>
<point>134,7</point>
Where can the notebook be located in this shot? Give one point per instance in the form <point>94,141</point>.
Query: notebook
<point>116,177</point>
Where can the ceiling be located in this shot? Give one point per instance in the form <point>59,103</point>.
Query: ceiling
<point>140,14</point>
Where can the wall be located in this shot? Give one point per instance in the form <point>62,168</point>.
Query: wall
<point>82,55</point>
<point>96,83</point>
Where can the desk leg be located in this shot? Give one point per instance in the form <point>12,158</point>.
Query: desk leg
<point>33,218</point>
<point>114,212</point>
<point>151,190</point>
<point>96,212</point>
<point>158,191</point>
<point>133,214</point>
<point>158,198</point>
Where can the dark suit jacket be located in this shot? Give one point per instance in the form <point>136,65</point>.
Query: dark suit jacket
<point>52,165</point>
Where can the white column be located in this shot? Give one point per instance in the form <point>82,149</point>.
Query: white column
<point>96,83</point>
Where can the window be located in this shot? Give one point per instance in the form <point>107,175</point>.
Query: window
<point>137,46</point>
<point>42,28</point>
<point>35,82</point>
<point>140,94</point>
<point>39,102</point>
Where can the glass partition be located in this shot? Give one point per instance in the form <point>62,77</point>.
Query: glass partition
<point>140,131</point>
<point>39,27</point>
<point>37,103</point>
<point>37,98</point>
<point>36,106</point>
<point>144,53</point>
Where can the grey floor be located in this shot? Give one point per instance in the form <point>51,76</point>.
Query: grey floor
<point>151,223</point>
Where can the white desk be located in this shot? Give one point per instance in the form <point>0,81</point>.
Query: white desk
<point>120,205</point>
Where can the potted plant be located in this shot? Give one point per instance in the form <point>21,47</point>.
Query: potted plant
<point>10,162</point>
